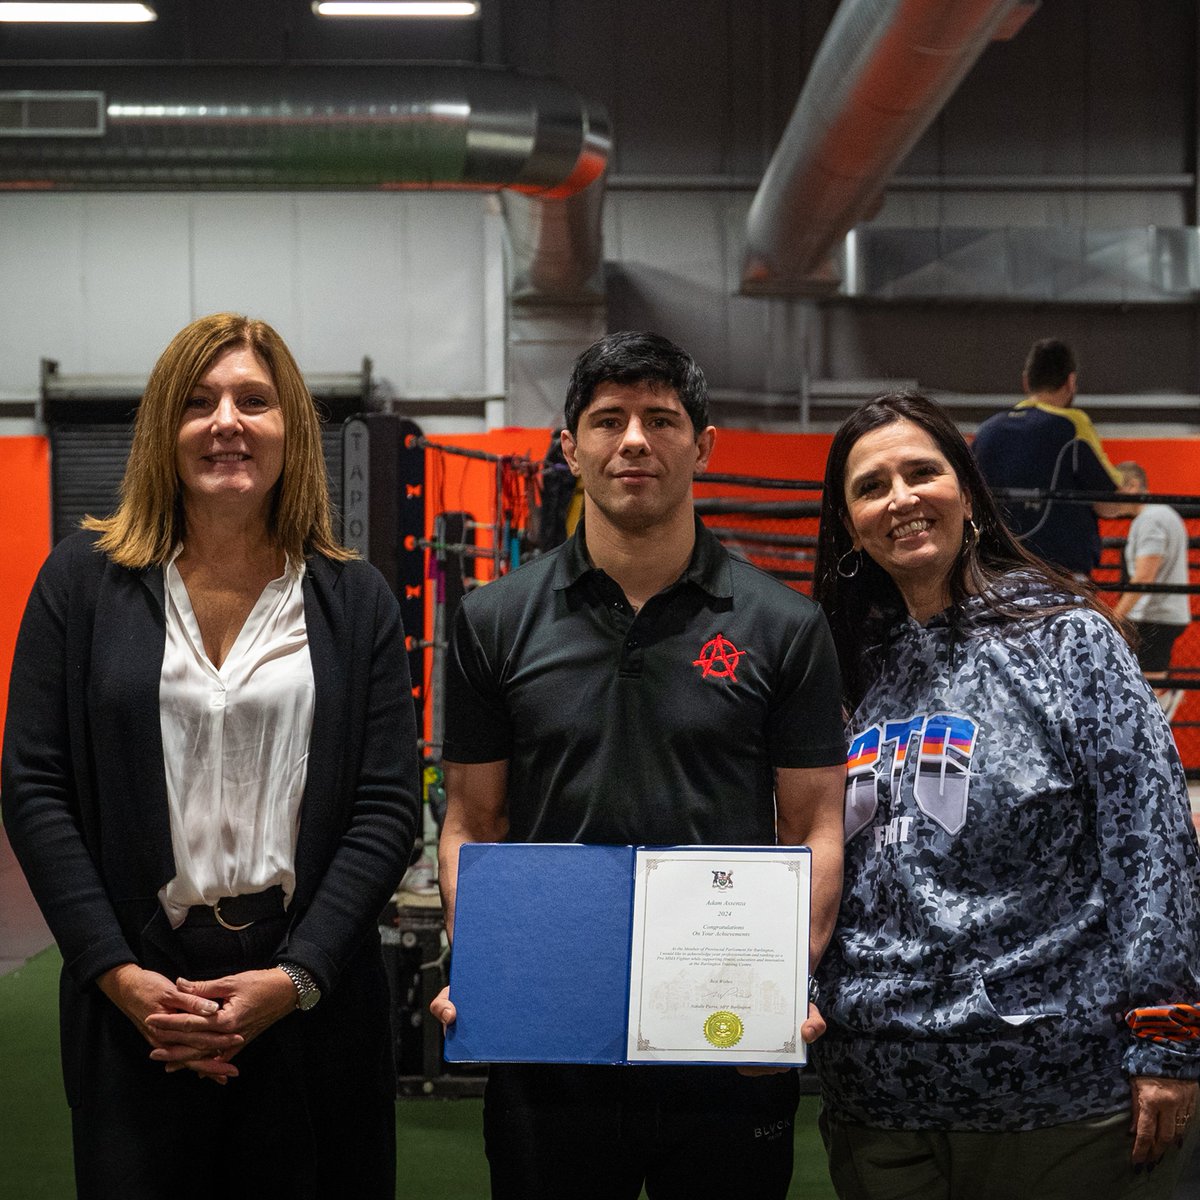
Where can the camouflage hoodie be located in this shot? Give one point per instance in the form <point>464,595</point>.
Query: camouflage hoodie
<point>1021,870</point>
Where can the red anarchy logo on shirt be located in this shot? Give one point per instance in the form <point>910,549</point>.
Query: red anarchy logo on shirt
<point>719,657</point>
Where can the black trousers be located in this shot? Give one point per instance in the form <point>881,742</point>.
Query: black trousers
<point>1154,649</point>
<point>601,1133</point>
<point>311,1113</point>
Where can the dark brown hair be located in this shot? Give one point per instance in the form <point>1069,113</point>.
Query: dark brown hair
<point>861,607</point>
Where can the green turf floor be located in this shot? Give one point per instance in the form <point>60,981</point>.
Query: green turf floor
<point>440,1143</point>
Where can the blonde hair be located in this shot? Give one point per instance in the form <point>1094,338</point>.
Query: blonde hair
<point>149,520</point>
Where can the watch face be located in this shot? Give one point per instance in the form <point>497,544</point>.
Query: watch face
<point>308,998</point>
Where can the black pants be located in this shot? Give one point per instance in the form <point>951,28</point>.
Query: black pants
<point>600,1133</point>
<point>1154,649</point>
<point>311,1114</point>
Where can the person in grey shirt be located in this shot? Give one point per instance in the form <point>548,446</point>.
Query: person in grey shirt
<point>1156,551</point>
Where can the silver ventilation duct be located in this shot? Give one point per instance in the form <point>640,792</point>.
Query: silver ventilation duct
<point>348,127</point>
<point>880,77</point>
<point>1144,265</point>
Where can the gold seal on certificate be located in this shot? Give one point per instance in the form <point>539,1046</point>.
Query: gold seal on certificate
<point>723,1029</point>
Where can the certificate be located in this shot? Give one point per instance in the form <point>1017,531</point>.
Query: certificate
<point>617,954</point>
<point>719,955</point>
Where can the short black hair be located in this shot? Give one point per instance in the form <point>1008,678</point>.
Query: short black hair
<point>636,357</point>
<point>1048,365</point>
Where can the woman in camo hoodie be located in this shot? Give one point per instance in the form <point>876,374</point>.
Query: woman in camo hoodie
<point>1010,991</point>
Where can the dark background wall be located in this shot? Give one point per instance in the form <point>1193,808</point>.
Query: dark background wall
<point>1086,119</point>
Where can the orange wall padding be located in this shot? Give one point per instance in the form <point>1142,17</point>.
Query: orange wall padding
<point>458,484</point>
<point>467,485</point>
<point>24,537</point>
<point>1172,464</point>
<point>771,455</point>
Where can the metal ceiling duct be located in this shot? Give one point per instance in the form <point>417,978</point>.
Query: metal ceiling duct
<point>345,127</point>
<point>881,75</point>
<point>1141,265</point>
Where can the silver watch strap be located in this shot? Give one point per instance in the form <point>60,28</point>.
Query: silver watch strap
<point>307,992</point>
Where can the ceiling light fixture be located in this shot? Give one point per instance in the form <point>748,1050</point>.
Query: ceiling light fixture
<point>395,8</point>
<point>77,13</point>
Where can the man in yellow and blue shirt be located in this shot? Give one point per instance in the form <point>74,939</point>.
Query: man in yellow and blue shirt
<point>1044,444</point>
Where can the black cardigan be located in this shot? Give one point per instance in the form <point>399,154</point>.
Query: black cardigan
<point>84,790</point>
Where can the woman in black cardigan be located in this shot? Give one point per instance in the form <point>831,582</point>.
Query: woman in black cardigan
<point>210,780</point>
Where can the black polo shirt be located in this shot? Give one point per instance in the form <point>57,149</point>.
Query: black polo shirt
<point>660,727</point>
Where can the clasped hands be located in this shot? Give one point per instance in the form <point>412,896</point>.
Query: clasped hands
<point>199,1025</point>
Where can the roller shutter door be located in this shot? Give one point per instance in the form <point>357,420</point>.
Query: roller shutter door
<point>90,443</point>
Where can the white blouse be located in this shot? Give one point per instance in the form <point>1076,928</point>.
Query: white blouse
<point>235,746</point>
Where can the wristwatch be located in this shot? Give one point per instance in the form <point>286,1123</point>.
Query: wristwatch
<point>307,992</point>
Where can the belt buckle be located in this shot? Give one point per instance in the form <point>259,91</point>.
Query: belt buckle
<point>225,924</point>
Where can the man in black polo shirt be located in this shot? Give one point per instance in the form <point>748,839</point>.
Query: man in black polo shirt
<point>640,685</point>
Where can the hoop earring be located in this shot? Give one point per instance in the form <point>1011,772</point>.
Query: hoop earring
<point>857,563</point>
<point>970,539</point>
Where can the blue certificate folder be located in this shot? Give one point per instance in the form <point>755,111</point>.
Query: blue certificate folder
<point>540,967</point>
<point>543,940</point>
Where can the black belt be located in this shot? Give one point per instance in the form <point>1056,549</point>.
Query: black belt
<point>238,912</point>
